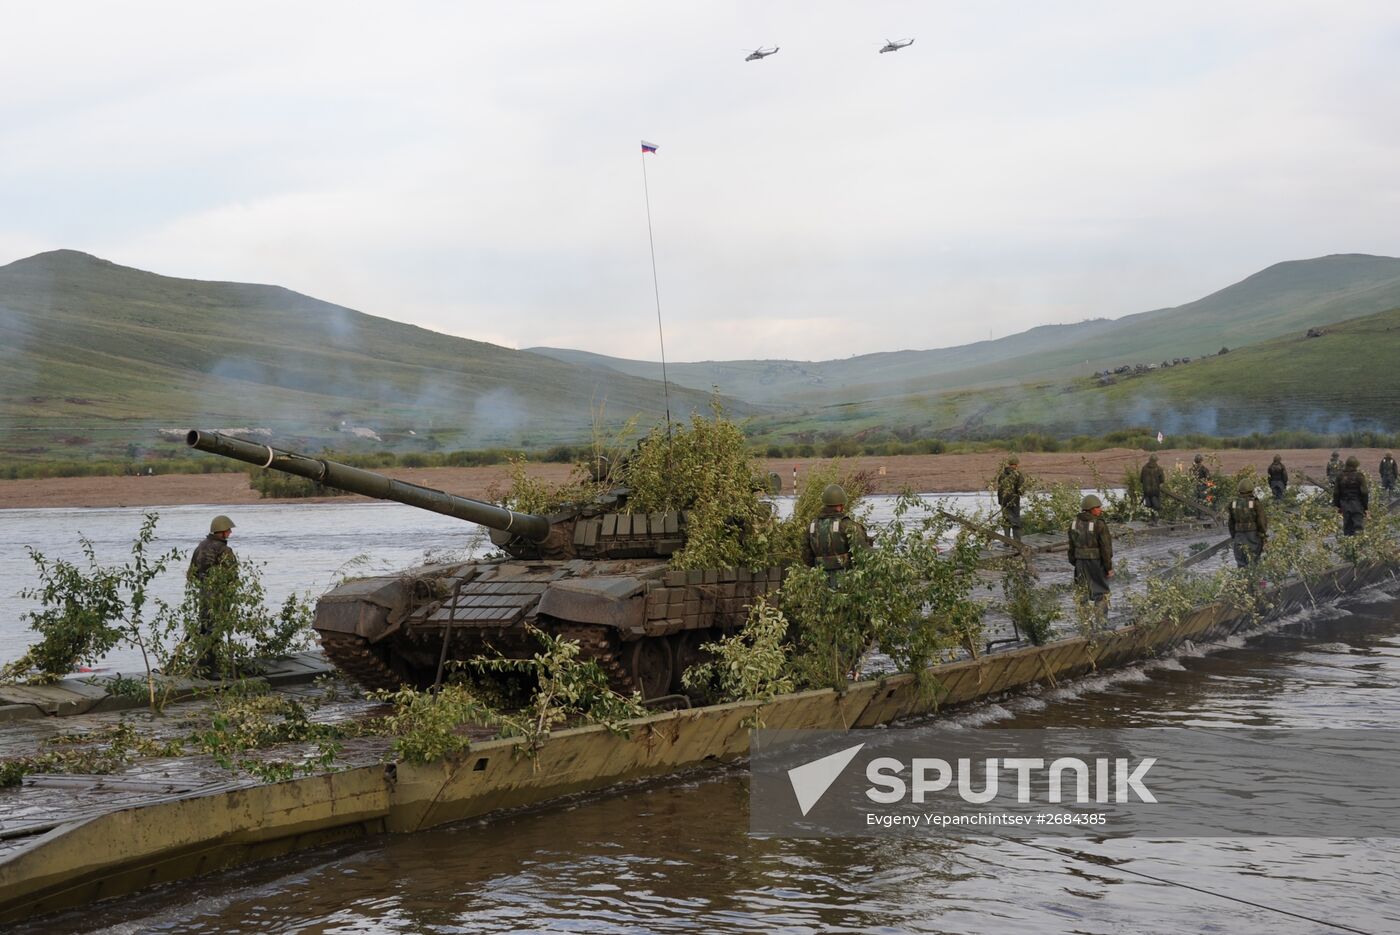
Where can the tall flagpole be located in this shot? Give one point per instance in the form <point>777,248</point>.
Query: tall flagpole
<point>656,286</point>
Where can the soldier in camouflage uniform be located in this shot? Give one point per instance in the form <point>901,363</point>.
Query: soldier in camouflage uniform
<point>1334,468</point>
<point>1388,473</point>
<point>1249,526</point>
<point>1152,477</point>
<point>1278,477</point>
<point>1011,485</point>
<point>1091,553</point>
<point>212,553</point>
<point>1202,475</point>
<point>833,537</point>
<point>1352,497</point>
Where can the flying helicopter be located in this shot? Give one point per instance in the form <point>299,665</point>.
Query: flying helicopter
<point>894,45</point>
<point>758,53</point>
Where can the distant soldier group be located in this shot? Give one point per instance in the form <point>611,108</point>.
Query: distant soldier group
<point>833,537</point>
<point>1346,483</point>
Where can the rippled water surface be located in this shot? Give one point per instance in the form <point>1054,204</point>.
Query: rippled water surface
<point>674,856</point>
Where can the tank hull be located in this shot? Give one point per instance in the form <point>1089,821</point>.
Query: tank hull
<point>642,621</point>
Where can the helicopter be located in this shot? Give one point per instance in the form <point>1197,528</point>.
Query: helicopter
<point>758,53</point>
<point>894,45</point>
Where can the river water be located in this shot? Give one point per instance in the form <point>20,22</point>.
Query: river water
<point>675,856</point>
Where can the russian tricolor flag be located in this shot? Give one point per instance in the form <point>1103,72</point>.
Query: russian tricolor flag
<point>648,147</point>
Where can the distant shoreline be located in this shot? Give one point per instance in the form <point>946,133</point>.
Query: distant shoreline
<point>945,473</point>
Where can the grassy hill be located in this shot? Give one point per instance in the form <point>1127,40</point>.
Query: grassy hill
<point>1283,298</point>
<point>1343,381</point>
<point>97,357</point>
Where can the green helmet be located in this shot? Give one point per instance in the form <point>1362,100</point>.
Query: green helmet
<point>1246,489</point>
<point>834,495</point>
<point>221,524</point>
<point>1152,458</point>
<point>1200,458</point>
<point>1089,502</point>
<point>1353,463</point>
<point>1336,454</point>
<point>1014,459</point>
<point>1278,459</point>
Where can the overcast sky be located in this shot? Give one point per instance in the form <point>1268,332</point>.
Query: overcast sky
<point>475,168</point>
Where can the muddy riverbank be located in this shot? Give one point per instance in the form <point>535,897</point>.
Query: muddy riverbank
<point>927,473</point>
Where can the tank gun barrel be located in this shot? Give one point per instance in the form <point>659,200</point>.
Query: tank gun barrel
<point>368,483</point>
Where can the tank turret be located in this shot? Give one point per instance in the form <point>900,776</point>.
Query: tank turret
<point>592,572</point>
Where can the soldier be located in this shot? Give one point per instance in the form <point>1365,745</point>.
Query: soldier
<point>833,536</point>
<point>1091,553</point>
<point>1152,477</point>
<point>1278,477</point>
<point>1202,475</point>
<point>1388,473</point>
<point>1334,467</point>
<point>1249,526</point>
<point>1011,484</point>
<point>1352,497</point>
<point>212,553</point>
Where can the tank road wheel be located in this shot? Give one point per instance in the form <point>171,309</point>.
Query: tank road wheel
<point>599,644</point>
<point>685,650</point>
<point>368,665</point>
<point>650,665</point>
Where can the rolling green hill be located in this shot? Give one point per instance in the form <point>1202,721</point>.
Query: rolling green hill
<point>97,357</point>
<point>1283,298</point>
<point>1345,380</point>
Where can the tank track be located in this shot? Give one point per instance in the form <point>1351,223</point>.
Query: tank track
<point>353,656</point>
<point>600,645</point>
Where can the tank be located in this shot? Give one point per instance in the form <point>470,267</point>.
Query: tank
<point>594,573</point>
